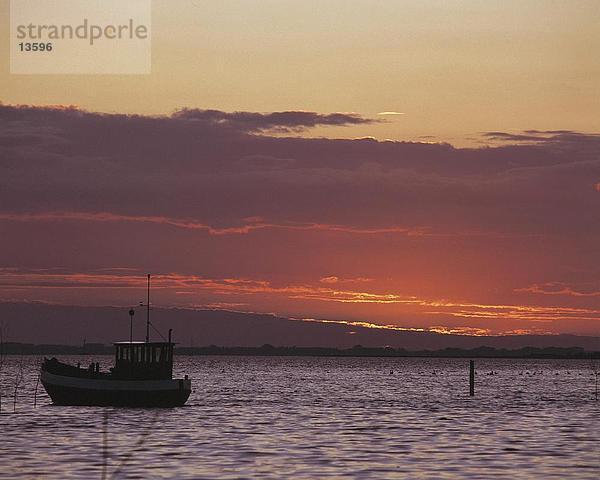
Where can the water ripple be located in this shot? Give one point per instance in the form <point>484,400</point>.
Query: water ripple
<point>307,418</point>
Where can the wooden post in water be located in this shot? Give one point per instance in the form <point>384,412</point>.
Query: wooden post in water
<point>35,392</point>
<point>471,378</point>
<point>148,312</point>
<point>131,314</point>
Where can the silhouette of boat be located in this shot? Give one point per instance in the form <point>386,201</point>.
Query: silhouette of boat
<point>142,376</point>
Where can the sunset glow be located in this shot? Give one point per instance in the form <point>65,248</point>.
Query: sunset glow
<point>242,294</point>
<point>398,167</point>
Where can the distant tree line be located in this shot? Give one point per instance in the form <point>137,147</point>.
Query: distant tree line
<point>356,351</point>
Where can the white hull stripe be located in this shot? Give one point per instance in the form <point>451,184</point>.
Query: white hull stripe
<point>120,385</point>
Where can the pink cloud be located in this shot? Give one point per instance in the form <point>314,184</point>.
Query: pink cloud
<point>257,223</point>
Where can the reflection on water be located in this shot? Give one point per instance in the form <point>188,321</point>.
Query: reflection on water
<point>276,417</point>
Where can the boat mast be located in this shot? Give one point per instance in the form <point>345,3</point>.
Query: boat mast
<point>148,312</point>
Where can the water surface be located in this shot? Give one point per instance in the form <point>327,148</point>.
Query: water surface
<point>314,417</point>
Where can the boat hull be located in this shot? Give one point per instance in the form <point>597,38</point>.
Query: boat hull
<point>65,390</point>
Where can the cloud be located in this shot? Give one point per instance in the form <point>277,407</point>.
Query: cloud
<point>200,169</point>
<point>249,224</point>
<point>234,290</point>
<point>218,193</point>
<point>276,121</point>
<point>334,279</point>
<point>565,137</point>
<point>559,288</point>
<point>331,279</point>
<point>217,175</point>
<point>461,330</point>
<point>390,113</point>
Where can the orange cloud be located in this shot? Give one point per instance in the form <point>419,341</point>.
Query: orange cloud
<point>11,279</point>
<point>557,288</point>
<point>331,279</point>
<point>335,279</point>
<point>460,330</point>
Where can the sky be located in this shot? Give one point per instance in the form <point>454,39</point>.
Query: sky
<point>453,68</point>
<point>253,169</point>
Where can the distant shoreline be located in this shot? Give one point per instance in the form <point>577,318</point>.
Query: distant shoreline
<point>356,351</point>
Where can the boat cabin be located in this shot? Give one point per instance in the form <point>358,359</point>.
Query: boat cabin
<point>143,360</point>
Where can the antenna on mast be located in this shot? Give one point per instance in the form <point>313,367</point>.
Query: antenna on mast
<point>148,312</point>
